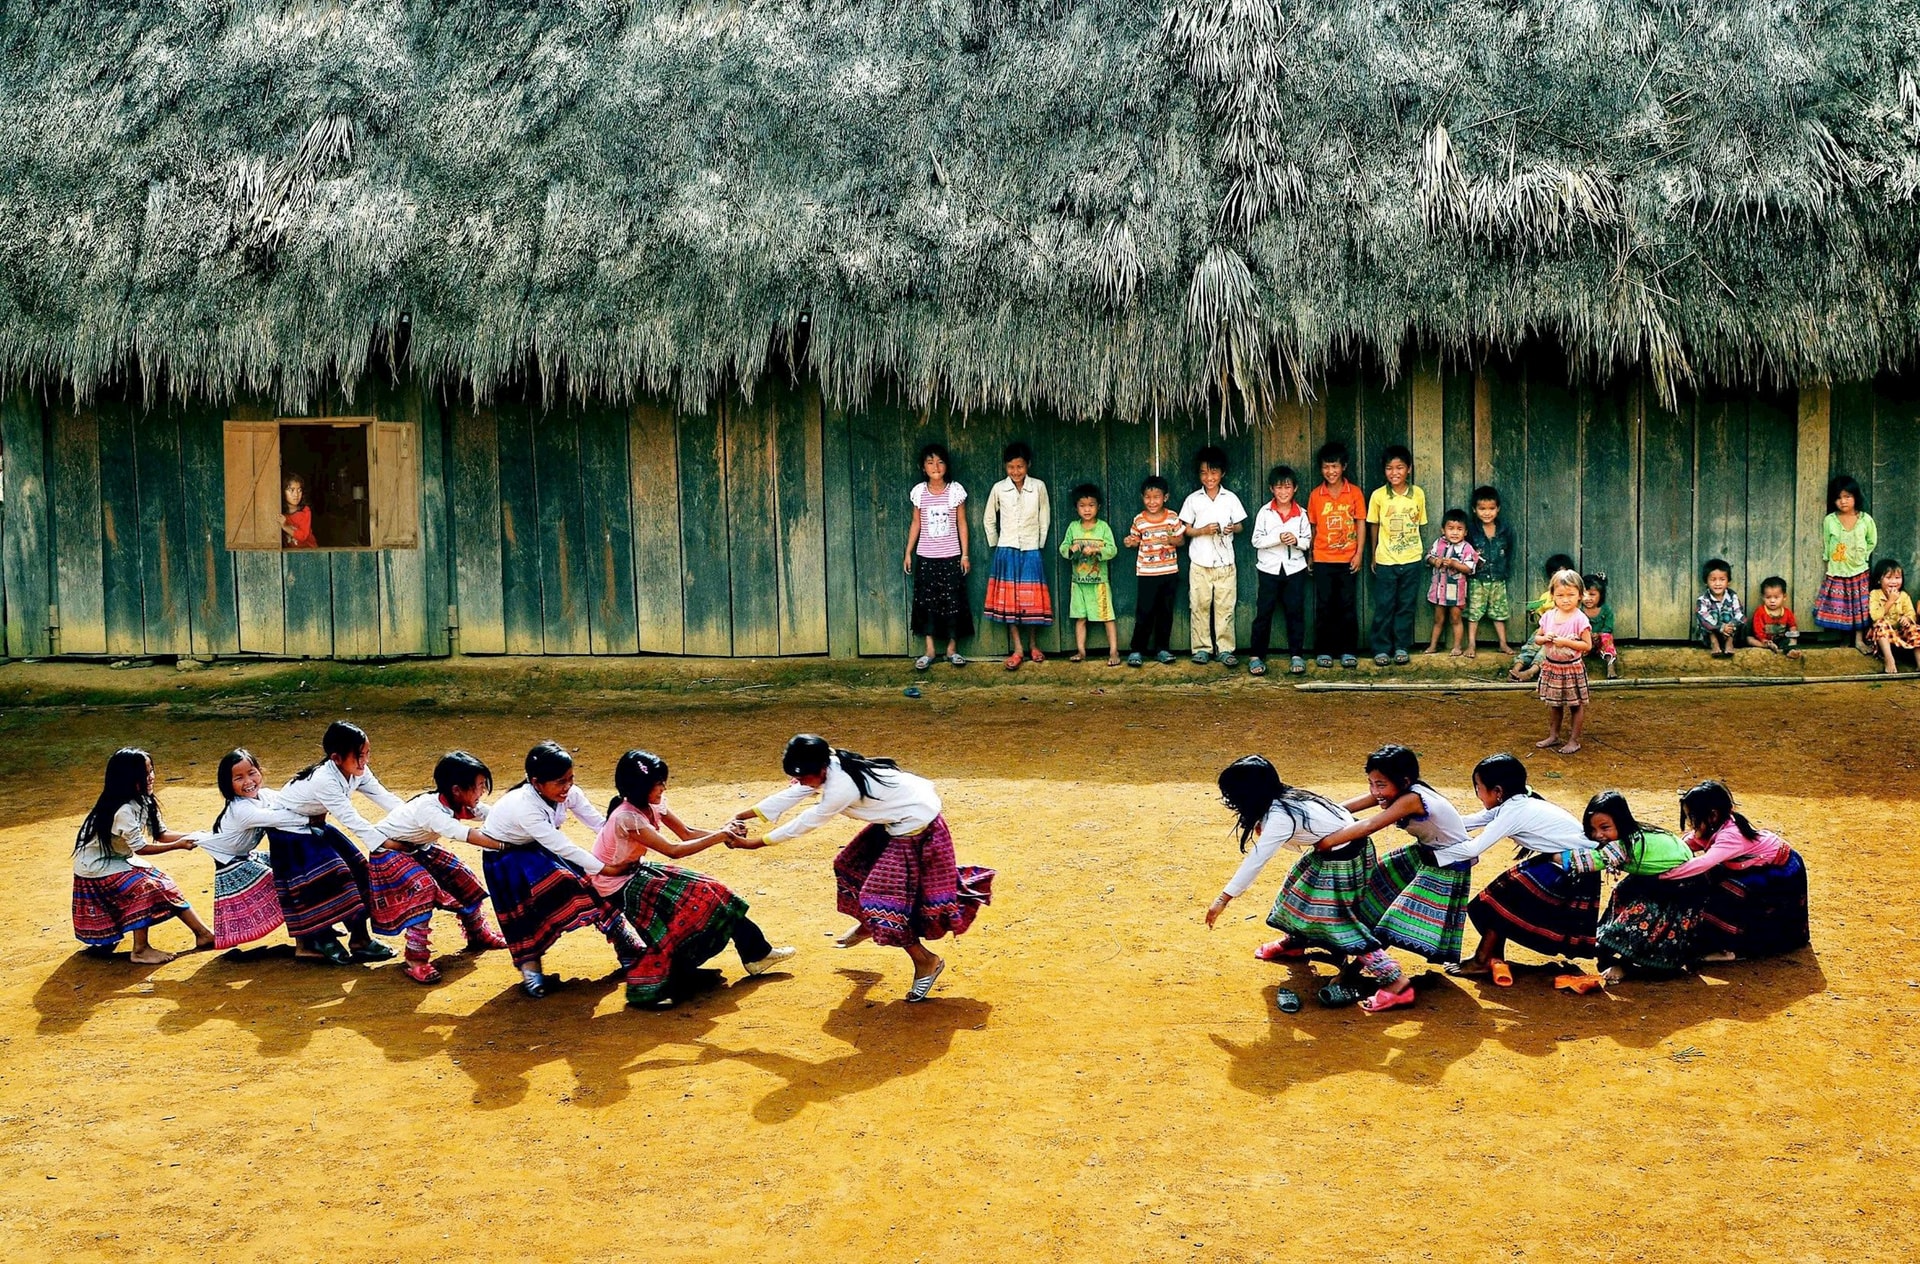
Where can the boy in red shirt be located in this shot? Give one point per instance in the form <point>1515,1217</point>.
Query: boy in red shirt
<point>1774,627</point>
<point>1339,515</point>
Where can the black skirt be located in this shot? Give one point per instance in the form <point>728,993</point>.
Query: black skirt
<point>940,606</point>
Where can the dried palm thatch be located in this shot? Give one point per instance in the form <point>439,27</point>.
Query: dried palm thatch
<point>1101,208</point>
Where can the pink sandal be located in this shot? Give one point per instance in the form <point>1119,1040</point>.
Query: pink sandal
<point>1385,1000</point>
<point>421,972</point>
<point>1279,950</point>
<point>1014,661</point>
<point>1036,655</point>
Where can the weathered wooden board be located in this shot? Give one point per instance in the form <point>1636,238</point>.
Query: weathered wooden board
<point>474,509</point>
<point>881,475</point>
<point>1505,386</point>
<point>562,537</point>
<point>164,549</point>
<point>658,579</point>
<point>406,614</point>
<point>838,516</point>
<point>1767,511</point>
<point>799,480</point>
<point>1814,439</point>
<point>1896,474</point>
<point>604,473</point>
<point>1667,569</point>
<point>520,564</point>
<point>356,603</point>
<point>1720,495</point>
<point>753,542</point>
<point>23,567</point>
<point>214,609</point>
<point>74,502</point>
<point>1456,425</point>
<point>120,534</point>
<point>706,561</point>
<point>1552,465</point>
<point>1610,499</point>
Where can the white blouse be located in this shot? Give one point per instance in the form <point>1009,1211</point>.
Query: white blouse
<point>120,850</point>
<point>426,818</point>
<point>523,817</point>
<point>1533,823</point>
<point>1282,829</point>
<point>902,802</point>
<point>328,792</point>
<point>242,822</point>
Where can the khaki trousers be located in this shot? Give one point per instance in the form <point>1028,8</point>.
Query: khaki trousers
<point>1211,593</point>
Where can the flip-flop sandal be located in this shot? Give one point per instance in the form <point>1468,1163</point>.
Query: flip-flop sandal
<point>1279,950</point>
<point>1338,995</point>
<point>1502,973</point>
<point>1072,658</point>
<point>1014,661</point>
<point>1461,970</point>
<point>1113,662</point>
<point>1036,656</point>
<point>1288,1000</point>
<point>922,663</point>
<point>330,952</point>
<point>1579,984</point>
<point>923,986</point>
<point>1384,1000</point>
<point>372,950</point>
<point>421,972</point>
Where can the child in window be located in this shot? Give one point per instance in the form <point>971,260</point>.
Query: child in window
<point>1717,616</point>
<point>296,518</point>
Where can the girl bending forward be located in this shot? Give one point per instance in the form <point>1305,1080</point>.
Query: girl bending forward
<point>897,879</point>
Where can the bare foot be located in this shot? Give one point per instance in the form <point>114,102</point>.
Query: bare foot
<point>151,957</point>
<point>1507,650</point>
<point>1458,654</point>
<point>1892,670</point>
<point>1472,654</point>
<point>853,935</point>
<point>1571,748</point>
<point>1548,742</point>
<point>1614,974</point>
<point>203,944</point>
<point>1435,649</point>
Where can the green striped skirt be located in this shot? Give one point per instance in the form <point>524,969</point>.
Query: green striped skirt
<point>1318,902</point>
<point>1413,903</point>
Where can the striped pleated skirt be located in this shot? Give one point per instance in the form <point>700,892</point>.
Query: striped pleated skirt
<point>1318,905</point>
<point>409,885</point>
<point>246,906</point>
<point>321,878</point>
<point>1541,906</point>
<point>1414,903</point>
<point>106,910</point>
<point>539,897</point>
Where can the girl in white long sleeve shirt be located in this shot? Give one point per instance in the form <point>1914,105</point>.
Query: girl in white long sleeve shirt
<point>538,878</point>
<point>413,875</point>
<point>1543,902</point>
<point>246,901</point>
<point>322,877</point>
<point>117,891</point>
<point>897,879</point>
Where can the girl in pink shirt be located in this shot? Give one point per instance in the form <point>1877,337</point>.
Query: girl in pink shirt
<point>1755,904</point>
<point>684,917</point>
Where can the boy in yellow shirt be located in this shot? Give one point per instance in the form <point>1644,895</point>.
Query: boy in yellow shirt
<point>1395,514</point>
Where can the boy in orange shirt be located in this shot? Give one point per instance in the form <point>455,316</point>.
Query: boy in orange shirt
<point>1339,515</point>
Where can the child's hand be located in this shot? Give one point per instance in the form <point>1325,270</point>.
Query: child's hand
<point>746,844</point>
<point>1132,541</point>
<point>1218,907</point>
<point>618,868</point>
<point>907,565</point>
<point>1289,539</point>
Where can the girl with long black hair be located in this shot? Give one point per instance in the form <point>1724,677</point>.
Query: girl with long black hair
<point>117,891</point>
<point>897,879</point>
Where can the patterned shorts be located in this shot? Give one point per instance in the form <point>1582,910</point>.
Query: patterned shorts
<point>1487,599</point>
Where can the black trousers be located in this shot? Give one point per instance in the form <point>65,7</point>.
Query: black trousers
<point>750,941</point>
<point>1289,593</point>
<point>1336,619</point>
<point>1396,595</point>
<point>1153,613</point>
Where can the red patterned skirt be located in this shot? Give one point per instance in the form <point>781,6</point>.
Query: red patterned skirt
<point>685,919</point>
<point>1017,589</point>
<point>409,885</point>
<point>1842,603</point>
<point>106,909</point>
<point>539,897</point>
<point>1563,684</point>
<point>246,906</point>
<point>907,888</point>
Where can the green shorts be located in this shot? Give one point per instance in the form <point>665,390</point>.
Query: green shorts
<point>1487,599</point>
<point>1092,601</point>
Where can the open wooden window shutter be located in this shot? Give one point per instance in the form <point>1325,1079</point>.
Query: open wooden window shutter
<point>253,484</point>
<point>395,461</point>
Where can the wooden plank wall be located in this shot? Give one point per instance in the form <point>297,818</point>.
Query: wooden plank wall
<point>776,525</point>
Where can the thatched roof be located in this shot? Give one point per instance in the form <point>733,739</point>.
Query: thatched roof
<point>1102,206</point>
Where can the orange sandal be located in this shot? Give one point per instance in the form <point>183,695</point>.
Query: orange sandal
<point>1014,661</point>
<point>1502,973</point>
<point>1580,984</point>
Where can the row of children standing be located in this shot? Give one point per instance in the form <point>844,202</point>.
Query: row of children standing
<point>898,879</point>
<point>1321,541</point>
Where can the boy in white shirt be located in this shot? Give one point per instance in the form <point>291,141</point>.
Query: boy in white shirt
<point>1282,533</point>
<point>1212,517</point>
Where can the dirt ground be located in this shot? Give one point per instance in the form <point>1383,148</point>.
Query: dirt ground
<point>1100,1077</point>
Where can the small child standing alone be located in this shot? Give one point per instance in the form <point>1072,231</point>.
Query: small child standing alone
<point>1487,590</point>
<point>1338,512</point>
<point>1213,516</point>
<point>1565,637</point>
<point>1088,544</point>
<point>1453,561</point>
<point>1281,534</point>
<point>1717,616</point>
<point>1156,533</point>
<point>1396,513</point>
<point>1848,538</point>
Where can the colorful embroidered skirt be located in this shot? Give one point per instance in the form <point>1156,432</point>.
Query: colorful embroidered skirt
<point>1317,907</point>
<point>409,885</point>
<point>106,909</point>
<point>685,918</point>
<point>1563,684</point>
<point>539,897</point>
<point>246,906</point>
<point>1017,589</point>
<point>1541,906</point>
<point>321,877</point>
<point>1415,904</point>
<point>941,607</point>
<point>1755,912</point>
<point>907,888</point>
<point>1650,924</point>
<point>1842,603</point>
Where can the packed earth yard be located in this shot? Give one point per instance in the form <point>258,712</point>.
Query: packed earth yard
<point>1098,1076</point>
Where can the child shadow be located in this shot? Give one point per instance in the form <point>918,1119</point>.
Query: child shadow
<point>1449,1022</point>
<point>90,979</point>
<point>889,1039</point>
